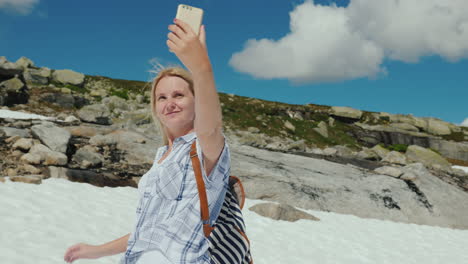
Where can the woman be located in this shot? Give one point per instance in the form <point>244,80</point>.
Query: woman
<point>186,105</point>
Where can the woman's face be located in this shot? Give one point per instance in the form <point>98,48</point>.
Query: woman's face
<point>175,105</point>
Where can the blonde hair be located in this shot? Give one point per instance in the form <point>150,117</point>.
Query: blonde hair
<point>171,71</point>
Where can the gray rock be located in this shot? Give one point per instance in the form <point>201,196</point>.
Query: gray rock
<point>115,103</point>
<point>331,121</point>
<point>390,171</point>
<point>11,131</point>
<point>253,129</point>
<point>290,126</point>
<point>96,113</point>
<point>283,212</point>
<point>60,99</point>
<point>24,63</point>
<point>395,157</point>
<point>68,77</point>
<point>31,169</point>
<point>23,144</point>
<point>329,151</point>
<point>34,179</point>
<point>343,151</point>
<point>450,149</point>
<point>13,91</point>
<point>322,185</point>
<point>48,156</point>
<point>56,138</point>
<point>37,76</point>
<point>438,127</point>
<point>347,112</point>
<point>380,151</point>
<point>87,153</point>
<point>404,126</point>
<point>428,157</point>
<point>72,120</point>
<point>31,158</point>
<point>9,70</point>
<point>367,154</point>
<point>322,129</point>
<point>57,172</point>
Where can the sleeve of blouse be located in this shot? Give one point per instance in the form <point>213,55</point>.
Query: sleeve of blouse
<point>221,170</point>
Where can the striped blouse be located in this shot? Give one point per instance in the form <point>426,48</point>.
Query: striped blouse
<point>168,212</point>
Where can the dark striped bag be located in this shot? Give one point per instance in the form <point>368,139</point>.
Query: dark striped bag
<point>227,237</point>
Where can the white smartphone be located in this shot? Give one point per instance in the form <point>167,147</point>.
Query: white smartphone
<point>190,15</point>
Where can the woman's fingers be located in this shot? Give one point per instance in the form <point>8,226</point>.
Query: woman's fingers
<point>174,38</point>
<point>177,31</point>
<point>172,47</point>
<point>202,36</point>
<point>184,26</point>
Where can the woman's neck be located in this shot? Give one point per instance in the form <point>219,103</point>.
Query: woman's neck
<point>172,135</point>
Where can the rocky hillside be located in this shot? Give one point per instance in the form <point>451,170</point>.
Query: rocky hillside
<point>371,164</point>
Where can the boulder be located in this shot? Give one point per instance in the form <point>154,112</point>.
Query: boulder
<point>395,157</point>
<point>96,113</point>
<point>57,172</point>
<point>11,131</point>
<point>253,130</point>
<point>367,154</point>
<point>290,126</point>
<point>114,102</point>
<point>347,112</point>
<point>23,144</point>
<point>283,212</point>
<point>322,129</point>
<point>24,63</point>
<point>37,76</point>
<point>34,179</point>
<point>48,156</point>
<point>438,127</point>
<point>68,77</point>
<point>390,171</point>
<point>404,126</point>
<point>61,99</point>
<point>30,169</point>
<point>380,151</point>
<point>425,156</point>
<point>56,138</point>
<point>9,70</point>
<point>13,91</point>
<point>89,154</point>
<point>31,158</point>
<point>450,149</point>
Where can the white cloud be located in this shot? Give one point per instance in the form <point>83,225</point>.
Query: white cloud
<point>465,122</point>
<point>22,7</point>
<point>329,43</point>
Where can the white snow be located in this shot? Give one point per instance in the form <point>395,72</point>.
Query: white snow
<point>39,222</point>
<point>21,115</point>
<point>461,168</point>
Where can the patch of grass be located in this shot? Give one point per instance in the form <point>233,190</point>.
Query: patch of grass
<point>457,162</point>
<point>397,147</point>
<point>120,93</point>
<point>455,136</point>
<point>70,86</point>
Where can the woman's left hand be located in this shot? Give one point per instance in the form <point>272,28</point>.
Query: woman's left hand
<point>188,47</point>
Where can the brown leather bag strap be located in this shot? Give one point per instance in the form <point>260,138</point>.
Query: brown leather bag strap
<point>205,211</point>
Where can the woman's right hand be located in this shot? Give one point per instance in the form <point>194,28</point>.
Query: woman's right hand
<point>80,251</point>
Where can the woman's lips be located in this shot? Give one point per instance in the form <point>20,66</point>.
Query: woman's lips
<point>172,113</point>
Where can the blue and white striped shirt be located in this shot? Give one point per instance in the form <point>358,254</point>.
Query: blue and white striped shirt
<point>168,215</point>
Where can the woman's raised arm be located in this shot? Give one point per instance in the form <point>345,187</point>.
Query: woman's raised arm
<point>192,52</point>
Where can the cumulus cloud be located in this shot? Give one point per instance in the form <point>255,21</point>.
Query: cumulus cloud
<point>330,43</point>
<point>465,122</point>
<point>22,7</point>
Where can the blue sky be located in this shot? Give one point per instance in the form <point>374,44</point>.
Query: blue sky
<point>408,58</point>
